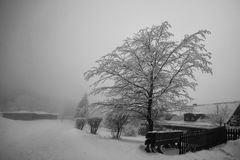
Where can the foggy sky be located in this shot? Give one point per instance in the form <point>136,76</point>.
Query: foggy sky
<point>47,45</point>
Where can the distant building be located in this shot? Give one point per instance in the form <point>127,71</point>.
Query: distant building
<point>230,109</point>
<point>191,117</point>
<point>199,116</point>
<point>26,115</point>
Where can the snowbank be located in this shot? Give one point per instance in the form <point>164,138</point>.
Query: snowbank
<point>56,140</point>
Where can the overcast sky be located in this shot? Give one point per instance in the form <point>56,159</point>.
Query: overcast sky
<point>47,45</point>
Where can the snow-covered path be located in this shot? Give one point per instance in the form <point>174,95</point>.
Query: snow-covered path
<point>56,140</point>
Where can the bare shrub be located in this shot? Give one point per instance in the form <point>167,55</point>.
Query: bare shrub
<point>115,121</point>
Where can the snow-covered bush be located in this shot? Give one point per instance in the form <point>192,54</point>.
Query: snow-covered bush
<point>130,130</point>
<point>80,123</point>
<point>116,121</point>
<point>94,123</point>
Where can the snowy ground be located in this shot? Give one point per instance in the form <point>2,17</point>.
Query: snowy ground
<point>56,140</point>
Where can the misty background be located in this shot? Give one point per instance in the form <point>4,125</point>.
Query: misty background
<point>47,45</point>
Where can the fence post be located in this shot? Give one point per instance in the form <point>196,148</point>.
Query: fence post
<point>179,145</point>
<point>225,135</point>
<point>235,135</point>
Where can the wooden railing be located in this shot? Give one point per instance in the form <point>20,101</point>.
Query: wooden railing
<point>233,133</point>
<point>191,141</point>
<point>197,141</point>
<point>155,140</point>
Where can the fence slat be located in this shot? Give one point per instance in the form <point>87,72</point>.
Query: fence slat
<point>233,133</point>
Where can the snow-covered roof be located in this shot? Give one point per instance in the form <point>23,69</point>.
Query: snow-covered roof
<point>214,108</point>
<point>206,125</point>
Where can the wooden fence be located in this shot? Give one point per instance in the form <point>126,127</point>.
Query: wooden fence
<point>233,133</point>
<point>197,141</point>
<point>155,140</point>
<point>192,141</point>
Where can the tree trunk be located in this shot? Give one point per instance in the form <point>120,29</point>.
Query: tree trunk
<point>117,135</point>
<point>150,124</point>
<point>150,100</point>
<point>149,116</point>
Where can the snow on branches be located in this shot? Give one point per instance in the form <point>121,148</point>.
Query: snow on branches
<point>150,70</point>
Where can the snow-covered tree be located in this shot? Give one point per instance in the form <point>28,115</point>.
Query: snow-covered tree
<point>82,108</point>
<point>220,116</point>
<point>151,71</point>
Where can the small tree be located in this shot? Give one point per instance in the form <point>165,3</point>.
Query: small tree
<point>116,120</point>
<point>82,108</point>
<point>149,70</point>
<point>94,123</point>
<point>220,116</point>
